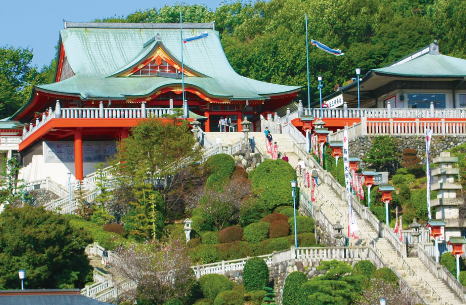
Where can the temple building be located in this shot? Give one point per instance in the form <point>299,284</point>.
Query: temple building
<point>110,75</point>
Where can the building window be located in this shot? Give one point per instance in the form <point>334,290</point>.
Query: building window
<point>230,107</point>
<point>216,107</point>
<point>462,100</point>
<point>423,100</point>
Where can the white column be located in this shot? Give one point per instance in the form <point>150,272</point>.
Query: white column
<point>143,110</point>
<point>58,109</point>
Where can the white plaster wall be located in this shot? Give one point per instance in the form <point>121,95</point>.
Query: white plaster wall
<point>452,233</point>
<point>58,172</point>
<point>446,212</point>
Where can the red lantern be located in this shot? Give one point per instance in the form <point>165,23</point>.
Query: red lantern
<point>386,191</point>
<point>322,135</point>
<point>336,148</point>
<point>353,163</point>
<point>369,178</point>
<point>457,244</point>
<point>436,228</point>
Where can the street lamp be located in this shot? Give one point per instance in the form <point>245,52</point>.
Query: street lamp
<point>383,301</point>
<point>69,189</point>
<point>319,78</point>
<point>293,185</point>
<point>22,276</point>
<point>358,72</point>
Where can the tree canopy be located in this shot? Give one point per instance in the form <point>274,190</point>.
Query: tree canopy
<point>46,246</point>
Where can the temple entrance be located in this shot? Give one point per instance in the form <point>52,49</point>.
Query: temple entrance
<point>232,125</point>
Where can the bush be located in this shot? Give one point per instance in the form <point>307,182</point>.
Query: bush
<point>304,240</point>
<point>279,228</point>
<point>229,298</point>
<point>252,211</point>
<point>213,284</point>
<point>279,209</point>
<point>405,192</point>
<point>403,179</point>
<point>209,254</point>
<point>402,171</point>
<point>234,250</point>
<point>105,239</point>
<point>274,217</point>
<point>365,268</point>
<point>255,274</point>
<point>194,242</point>
<point>271,180</point>
<point>292,284</point>
<point>449,261</point>
<point>231,234</point>
<point>462,278</point>
<point>255,297</point>
<point>115,228</point>
<point>174,301</point>
<point>210,238</point>
<point>386,274</point>
<point>288,212</point>
<point>304,224</point>
<point>220,167</point>
<point>256,232</point>
<point>278,244</point>
<point>239,173</point>
<point>204,302</point>
<point>240,289</point>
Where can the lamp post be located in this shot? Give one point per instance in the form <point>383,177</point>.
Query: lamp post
<point>369,182</point>
<point>22,276</point>
<point>319,78</point>
<point>457,245</point>
<point>436,232</point>
<point>383,301</point>
<point>69,190</point>
<point>293,185</point>
<point>386,191</point>
<point>358,72</point>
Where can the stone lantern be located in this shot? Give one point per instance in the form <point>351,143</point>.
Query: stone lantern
<point>187,228</point>
<point>195,129</point>
<point>415,231</point>
<point>338,235</point>
<point>245,128</point>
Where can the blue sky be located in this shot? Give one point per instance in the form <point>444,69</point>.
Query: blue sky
<point>36,24</point>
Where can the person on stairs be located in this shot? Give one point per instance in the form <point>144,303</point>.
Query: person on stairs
<point>315,175</point>
<point>301,165</point>
<point>285,158</point>
<point>268,135</point>
<point>105,258</point>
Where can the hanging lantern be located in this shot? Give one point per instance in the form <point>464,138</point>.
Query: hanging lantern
<point>369,178</point>
<point>457,245</point>
<point>336,148</point>
<point>353,163</point>
<point>386,191</point>
<point>436,228</point>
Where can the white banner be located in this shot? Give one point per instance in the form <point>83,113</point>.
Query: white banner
<point>428,140</point>
<point>353,225</point>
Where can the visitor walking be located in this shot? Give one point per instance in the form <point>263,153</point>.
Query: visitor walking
<point>222,124</point>
<point>105,257</point>
<point>268,135</point>
<point>227,123</point>
<point>301,165</point>
<point>285,158</point>
<point>315,175</point>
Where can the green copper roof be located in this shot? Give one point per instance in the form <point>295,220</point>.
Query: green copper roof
<point>96,54</point>
<point>4,124</point>
<point>386,188</point>
<point>354,159</point>
<point>336,144</point>
<point>457,240</point>
<point>428,66</point>
<point>369,173</point>
<point>435,223</point>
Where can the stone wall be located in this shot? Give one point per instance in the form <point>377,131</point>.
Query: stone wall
<point>361,146</point>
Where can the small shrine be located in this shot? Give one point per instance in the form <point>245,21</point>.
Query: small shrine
<point>446,205</point>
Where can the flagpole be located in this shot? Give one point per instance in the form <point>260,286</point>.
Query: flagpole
<point>307,62</point>
<point>185,107</point>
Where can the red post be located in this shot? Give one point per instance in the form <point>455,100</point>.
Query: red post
<point>207,122</point>
<point>78,155</point>
<point>238,123</point>
<point>123,134</point>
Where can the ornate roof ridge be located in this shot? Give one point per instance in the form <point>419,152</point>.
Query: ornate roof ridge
<point>105,25</point>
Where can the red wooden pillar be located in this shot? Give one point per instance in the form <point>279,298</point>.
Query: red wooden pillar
<point>207,122</point>
<point>240,119</point>
<point>78,155</point>
<point>123,134</point>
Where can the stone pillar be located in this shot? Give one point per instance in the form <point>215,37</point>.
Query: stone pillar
<point>143,110</point>
<point>345,110</point>
<point>78,155</point>
<point>58,109</point>
<point>300,109</point>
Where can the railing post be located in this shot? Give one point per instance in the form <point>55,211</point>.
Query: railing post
<point>443,127</point>
<point>345,110</point>
<point>364,126</point>
<point>288,114</point>
<point>418,127</point>
<point>223,267</point>
<point>58,109</point>
<point>391,126</point>
<point>432,110</point>
<point>389,109</point>
<point>300,109</point>
<point>143,110</point>
<point>101,109</point>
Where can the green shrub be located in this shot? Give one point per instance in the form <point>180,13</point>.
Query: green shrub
<point>278,244</point>
<point>386,274</point>
<point>279,209</point>
<point>229,298</point>
<point>240,289</point>
<point>279,228</point>
<point>274,217</point>
<point>402,171</point>
<point>105,239</point>
<point>255,297</point>
<point>194,242</point>
<point>210,238</point>
<point>403,179</point>
<point>204,302</point>
<point>231,234</point>
<point>213,284</point>
<point>271,180</point>
<point>239,173</point>
<point>219,167</point>
<point>234,250</point>
<point>304,240</point>
<point>251,210</point>
<point>462,278</point>
<point>449,261</point>
<point>255,274</point>
<point>174,301</point>
<point>115,228</point>
<point>365,268</point>
<point>405,192</point>
<point>293,282</point>
<point>256,232</point>
<point>304,224</point>
<point>288,212</point>
<point>209,254</point>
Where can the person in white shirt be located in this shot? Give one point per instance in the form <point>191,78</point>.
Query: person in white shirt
<point>301,165</point>
<point>222,124</point>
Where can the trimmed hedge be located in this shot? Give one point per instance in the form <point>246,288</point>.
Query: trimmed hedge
<point>229,298</point>
<point>220,167</point>
<point>231,234</point>
<point>204,302</point>
<point>213,284</point>
<point>105,239</point>
<point>274,217</point>
<point>449,261</point>
<point>271,180</point>
<point>255,274</point>
<point>255,297</point>
<point>115,228</point>
<point>239,173</point>
<point>210,238</point>
<point>173,302</point>
<point>256,232</point>
<point>251,210</point>
<point>194,242</point>
<point>293,282</point>
<point>288,212</point>
<point>386,274</point>
<point>278,244</point>
<point>462,278</point>
<point>365,268</point>
<point>305,240</point>
<point>304,224</point>
<point>279,228</point>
